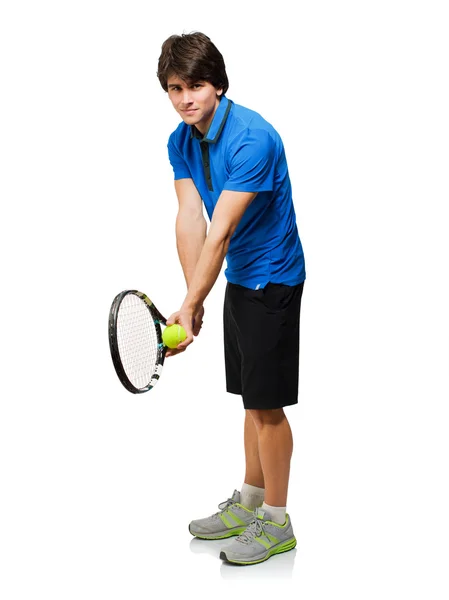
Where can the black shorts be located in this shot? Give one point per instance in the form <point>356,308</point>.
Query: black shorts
<point>261,342</point>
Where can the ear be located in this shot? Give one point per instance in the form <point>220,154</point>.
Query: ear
<point>219,92</point>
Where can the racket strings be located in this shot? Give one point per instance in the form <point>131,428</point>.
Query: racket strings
<point>137,341</point>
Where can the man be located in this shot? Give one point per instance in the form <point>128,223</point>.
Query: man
<point>229,158</point>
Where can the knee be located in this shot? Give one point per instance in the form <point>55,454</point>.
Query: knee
<point>267,417</point>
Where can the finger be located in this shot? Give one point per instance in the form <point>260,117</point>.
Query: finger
<point>183,345</point>
<point>173,318</point>
<point>173,352</point>
<point>197,327</point>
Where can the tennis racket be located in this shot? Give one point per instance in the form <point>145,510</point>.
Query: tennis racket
<point>135,340</point>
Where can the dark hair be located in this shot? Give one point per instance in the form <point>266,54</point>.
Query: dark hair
<point>192,57</point>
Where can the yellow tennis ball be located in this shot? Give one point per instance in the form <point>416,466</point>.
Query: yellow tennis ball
<point>173,335</point>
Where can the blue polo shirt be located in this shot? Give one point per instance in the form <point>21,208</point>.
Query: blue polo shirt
<point>242,152</point>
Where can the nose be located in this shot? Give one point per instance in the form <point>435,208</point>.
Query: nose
<point>186,97</point>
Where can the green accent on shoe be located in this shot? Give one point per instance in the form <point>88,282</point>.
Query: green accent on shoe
<point>235,517</point>
<point>230,533</point>
<point>285,547</point>
<point>263,542</point>
<point>225,521</point>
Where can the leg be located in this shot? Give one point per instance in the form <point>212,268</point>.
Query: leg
<point>253,472</point>
<point>272,531</point>
<point>275,451</point>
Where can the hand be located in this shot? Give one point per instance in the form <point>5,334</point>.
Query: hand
<point>185,319</point>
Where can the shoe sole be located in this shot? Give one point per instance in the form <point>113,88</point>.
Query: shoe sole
<point>220,536</point>
<point>284,547</point>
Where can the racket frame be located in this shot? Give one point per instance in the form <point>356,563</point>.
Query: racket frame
<point>158,318</point>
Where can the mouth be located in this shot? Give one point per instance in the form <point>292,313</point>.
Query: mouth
<point>189,111</point>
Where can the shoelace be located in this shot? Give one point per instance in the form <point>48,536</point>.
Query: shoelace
<point>224,505</point>
<point>254,529</point>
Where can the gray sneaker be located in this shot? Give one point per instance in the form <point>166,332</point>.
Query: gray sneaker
<point>261,539</point>
<point>232,519</point>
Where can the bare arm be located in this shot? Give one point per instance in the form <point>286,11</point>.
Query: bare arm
<point>190,226</point>
<point>227,215</point>
<point>191,229</point>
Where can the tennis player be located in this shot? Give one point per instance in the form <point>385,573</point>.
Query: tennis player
<point>230,159</point>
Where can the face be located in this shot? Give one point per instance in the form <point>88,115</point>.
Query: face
<point>196,102</point>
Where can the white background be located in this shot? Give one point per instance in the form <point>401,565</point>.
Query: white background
<point>98,486</point>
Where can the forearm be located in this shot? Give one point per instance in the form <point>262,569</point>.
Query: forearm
<point>207,270</point>
<point>190,237</point>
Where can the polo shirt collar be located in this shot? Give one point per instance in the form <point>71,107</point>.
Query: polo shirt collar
<point>218,122</point>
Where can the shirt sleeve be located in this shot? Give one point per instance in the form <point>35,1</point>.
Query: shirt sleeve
<point>180,168</point>
<point>251,162</point>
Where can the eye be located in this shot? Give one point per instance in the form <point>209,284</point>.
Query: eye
<point>196,86</point>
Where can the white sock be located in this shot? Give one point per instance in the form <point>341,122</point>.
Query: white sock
<point>251,496</point>
<point>277,513</point>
